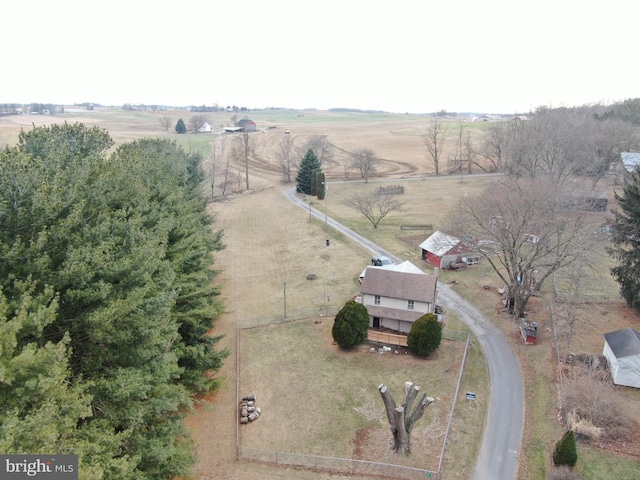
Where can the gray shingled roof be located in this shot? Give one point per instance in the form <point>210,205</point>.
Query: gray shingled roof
<point>624,342</point>
<point>392,284</point>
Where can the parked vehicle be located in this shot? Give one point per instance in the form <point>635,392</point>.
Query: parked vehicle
<point>380,261</point>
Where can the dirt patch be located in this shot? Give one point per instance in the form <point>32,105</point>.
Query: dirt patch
<point>361,442</point>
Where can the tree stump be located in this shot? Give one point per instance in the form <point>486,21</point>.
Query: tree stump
<point>401,417</point>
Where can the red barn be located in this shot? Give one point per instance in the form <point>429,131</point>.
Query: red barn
<point>442,250</point>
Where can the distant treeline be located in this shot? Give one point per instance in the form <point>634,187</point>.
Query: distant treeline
<point>355,110</point>
<point>36,108</point>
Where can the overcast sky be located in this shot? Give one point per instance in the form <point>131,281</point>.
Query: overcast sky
<point>491,56</point>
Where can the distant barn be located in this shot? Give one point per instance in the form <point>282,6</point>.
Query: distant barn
<point>247,125</point>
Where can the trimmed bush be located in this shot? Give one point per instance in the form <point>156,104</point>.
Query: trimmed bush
<point>351,325</point>
<point>566,452</point>
<point>425,335</point>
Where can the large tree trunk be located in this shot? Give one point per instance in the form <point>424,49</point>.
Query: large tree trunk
<point>401,417</point>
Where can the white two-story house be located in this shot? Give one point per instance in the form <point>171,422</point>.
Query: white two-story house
<point>395,299</point>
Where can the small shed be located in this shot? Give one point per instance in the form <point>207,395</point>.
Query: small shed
<point>440,250</point>
<point>622,351</point>
<point>529,331</point>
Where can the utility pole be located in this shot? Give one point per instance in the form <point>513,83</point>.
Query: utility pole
<point>325,185</point>
<point>285,300</point>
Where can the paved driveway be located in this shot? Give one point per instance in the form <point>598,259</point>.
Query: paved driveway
<point>498,458</point>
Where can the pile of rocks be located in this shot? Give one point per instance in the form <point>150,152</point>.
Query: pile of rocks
<point>249,411</point>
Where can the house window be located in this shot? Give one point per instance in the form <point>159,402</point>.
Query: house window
<point>376,300</point>
<point>410,305</point>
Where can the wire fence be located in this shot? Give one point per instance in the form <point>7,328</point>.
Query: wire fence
<point>335,464</point>
<point>278,318</point>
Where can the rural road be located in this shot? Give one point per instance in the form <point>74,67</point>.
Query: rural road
<point>498,458</point>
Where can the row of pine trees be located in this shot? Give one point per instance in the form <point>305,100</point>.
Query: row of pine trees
<point>105,301</point>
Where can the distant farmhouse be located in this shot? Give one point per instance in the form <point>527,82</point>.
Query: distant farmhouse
<point>205,128</point>
<point>487,118</point>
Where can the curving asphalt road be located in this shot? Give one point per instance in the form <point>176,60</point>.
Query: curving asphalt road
<point>498,458</point>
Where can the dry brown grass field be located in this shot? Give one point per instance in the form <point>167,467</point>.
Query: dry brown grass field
<point>271,243</point>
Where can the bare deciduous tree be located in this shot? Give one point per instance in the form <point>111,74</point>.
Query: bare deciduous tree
<point>569,301</point>
<point>364,160</point>
<point>166,122</point>
<point>212,166</point>
<point>226,175</point>
<point>562,143</point>
<point>403,417</point>
<point>375,206</point>
<point>468,151</point>
<point>495,141</point>
<point>246,151</point>
<point>321,146</point>
<point>197,121</point>
<point>527,229</point>
<point>463,158</point>
<point>286,156</point>
<point>434,137</point>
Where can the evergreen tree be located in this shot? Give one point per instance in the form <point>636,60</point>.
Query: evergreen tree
<point>41,403</point>
<point>181,127</point>
<point>126,244</point>
<point>315,183</point>
<point>64,146</point>
<point>425,335</point>
<point>190,245</point>
<point>566,452</point>
<point>308,165</point>
<point>322,190</point>
<point>350,325</point>
<point>625,231</point>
